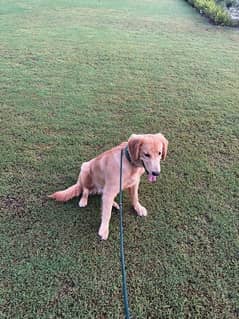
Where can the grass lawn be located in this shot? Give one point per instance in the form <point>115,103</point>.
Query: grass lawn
<point>78,77</point>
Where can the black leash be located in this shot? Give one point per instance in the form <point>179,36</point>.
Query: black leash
<point>124,283</point>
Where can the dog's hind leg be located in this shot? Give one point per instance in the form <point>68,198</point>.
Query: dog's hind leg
<point>85,180</point>
<point>84,198</point>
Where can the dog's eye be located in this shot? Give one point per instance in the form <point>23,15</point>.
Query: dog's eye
<point>146,154</point>
<point>160,153</point>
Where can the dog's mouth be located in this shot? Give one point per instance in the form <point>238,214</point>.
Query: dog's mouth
<point>152,178</point>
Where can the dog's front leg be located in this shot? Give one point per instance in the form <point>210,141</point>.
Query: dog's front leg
<point>107,203</point>
<point>133,192</point>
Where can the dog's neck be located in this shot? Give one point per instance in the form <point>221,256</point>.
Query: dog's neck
<point>129,158</point>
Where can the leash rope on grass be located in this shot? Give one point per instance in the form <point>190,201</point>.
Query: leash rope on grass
<point>123,271</point>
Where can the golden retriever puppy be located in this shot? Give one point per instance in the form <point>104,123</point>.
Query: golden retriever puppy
<point>101,175</point>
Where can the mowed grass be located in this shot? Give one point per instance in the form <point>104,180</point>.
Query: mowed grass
<point>78,77</point>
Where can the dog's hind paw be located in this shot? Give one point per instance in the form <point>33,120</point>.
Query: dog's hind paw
<point>116,206</point>
<point>83,202</point>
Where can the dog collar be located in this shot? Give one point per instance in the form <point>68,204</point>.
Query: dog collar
<point>127,154</point>
<point>126,151</point>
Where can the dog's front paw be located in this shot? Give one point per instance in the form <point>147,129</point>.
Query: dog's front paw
<point>103,233</point>
<point>140,210</point>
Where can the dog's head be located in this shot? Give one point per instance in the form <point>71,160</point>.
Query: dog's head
<point>147,150</point>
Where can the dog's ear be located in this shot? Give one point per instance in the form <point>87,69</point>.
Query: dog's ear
<point>134,144</point>
<point>165,145</point>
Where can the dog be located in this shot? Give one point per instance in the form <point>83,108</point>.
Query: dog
<point>101,175</point>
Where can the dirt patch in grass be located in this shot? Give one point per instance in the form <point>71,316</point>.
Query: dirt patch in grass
<point>12,204</point>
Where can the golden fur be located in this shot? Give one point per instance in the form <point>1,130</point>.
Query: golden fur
<point>101,175</point>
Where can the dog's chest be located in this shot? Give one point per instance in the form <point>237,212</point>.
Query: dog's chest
<point>129,183</point>
<point>130,180</point>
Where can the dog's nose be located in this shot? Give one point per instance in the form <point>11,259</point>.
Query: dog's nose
<point>155,173</point>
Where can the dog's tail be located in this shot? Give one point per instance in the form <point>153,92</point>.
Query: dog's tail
<point>67,194</point>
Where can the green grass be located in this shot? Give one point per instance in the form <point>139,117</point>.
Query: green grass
<point>78,77</point>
